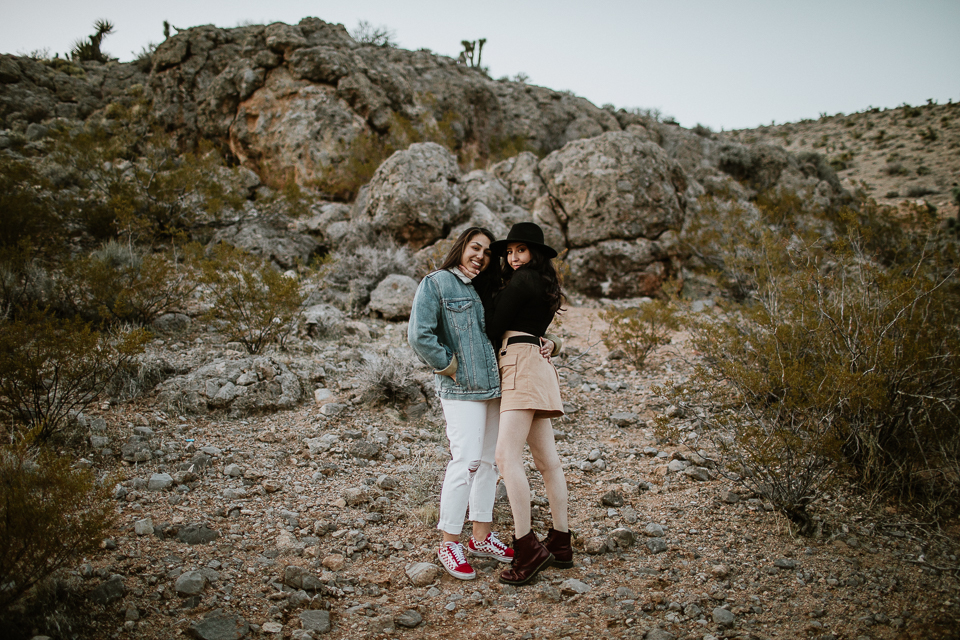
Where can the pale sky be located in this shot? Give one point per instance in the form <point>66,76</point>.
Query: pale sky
<point>722,63</point>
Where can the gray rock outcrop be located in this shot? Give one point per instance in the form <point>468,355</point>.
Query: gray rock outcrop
<point>241,386</point>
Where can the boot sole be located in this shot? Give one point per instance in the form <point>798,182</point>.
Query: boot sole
<point>518,583</point>
<point>562,564</point>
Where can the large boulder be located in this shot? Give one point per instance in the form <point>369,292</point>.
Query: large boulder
<point>622,268</point>
<point>270,238</point>
<point>242,386</point>
<point>393,297</point>
<point>414,196</point>
<point>614,186</point>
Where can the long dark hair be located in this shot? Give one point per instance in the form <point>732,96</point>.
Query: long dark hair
<point>456,251</point>
<point>548,273</point>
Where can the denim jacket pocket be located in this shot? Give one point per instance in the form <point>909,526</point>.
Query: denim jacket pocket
<point>459,312</point>
<point>508,371</point>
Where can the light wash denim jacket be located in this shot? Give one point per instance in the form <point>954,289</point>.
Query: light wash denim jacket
<point>447,331</point>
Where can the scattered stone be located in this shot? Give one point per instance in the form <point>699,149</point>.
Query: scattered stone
<point>676,466</point>
<point>334,562</point>
<point>653,530</point>
<point>595,545</point>
<point>233,470</point>
<point>623,537</point>
<point>332,409</point>
<point>612,499</point>
<point>408,619</point>
<point>218,625</point>
<point>109,591</point>
<point>572,585</point>
<point>659,634</point>
<point>422,573</point>
<point>271,627</point>
<point>316,620</point>
<point>197,534</point>
<point>723,617</point>
<point>656,545</point>
<point>785,563</point>
<point>720,571</point>
<point>190,583</point>
<point>729,497</point>
<point>697,473</point>
<point>143,527</point>
<point>624,419</point>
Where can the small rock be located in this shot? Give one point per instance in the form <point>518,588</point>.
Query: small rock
<point>271,627</point>
<point>422,573</point>
<point>729,497</point>
<point>624,419</point>
<point>656,545</point>
<point>594,455</point>
<point>653,530</point>
<point>387,483</point>
<point>332,409</point>
<point>572,585</point>
<point>197,534</point>
<point>623,537</point>
<point>143,527</point>
<point>612,499</point>
<point>697,473</point>
<point>723,617</point>
<point>408,619</point>
<point>316,620</point>
<point>190,583</point>
<point>233,470</point>
<point>785,563</point>
<point>676,466</point>
<point>720,571</point>
<point>109,591</point>
<point>218,625</point>
<point>595,545</point>
<point>659,634</point>
<point>334,562</point>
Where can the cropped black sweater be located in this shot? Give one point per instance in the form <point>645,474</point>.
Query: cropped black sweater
<point>520,306</point>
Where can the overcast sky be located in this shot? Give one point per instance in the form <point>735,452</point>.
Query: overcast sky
<point>722,63</point>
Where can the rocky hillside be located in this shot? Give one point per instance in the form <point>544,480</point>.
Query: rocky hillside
<point>305,102</point>
<point>896,154</point>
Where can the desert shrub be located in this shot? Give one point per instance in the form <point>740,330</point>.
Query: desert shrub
<point>51,368</point>
<point>26,282</point>
<point>838,363</point>
<point>366,33</point>
<point>637,331</point>
<point>255,303</point>
<point>29,217</point>
<point>918,191</point>
<point>122,283</point>
<point>126,176</point>
<point>358,266</point>
<point>895,169</point>
<point>50,514</point>
<point>387,380</point>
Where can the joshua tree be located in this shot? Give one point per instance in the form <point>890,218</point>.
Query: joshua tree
<point>89,49</point>
<point>469,46</point>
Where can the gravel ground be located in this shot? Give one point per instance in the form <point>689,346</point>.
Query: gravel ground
<point>322,518</point>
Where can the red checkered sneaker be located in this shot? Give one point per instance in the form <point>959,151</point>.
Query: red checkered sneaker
<point>492,547</point>
<point>452,558</point>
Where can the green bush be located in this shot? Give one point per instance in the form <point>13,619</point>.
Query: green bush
<point>255,303</point>
<point>637,331</point>
<point>51,368</point>
<point>123,283</point>
<point>838,363</point>
<point>50,515</point>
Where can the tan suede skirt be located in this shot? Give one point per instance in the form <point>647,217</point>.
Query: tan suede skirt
<point>528,380</point>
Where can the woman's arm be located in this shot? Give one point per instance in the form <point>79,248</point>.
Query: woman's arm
<point>423,328</point>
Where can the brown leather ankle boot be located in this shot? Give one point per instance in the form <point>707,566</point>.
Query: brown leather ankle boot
<point>558,543</point>
<point>529,558</point>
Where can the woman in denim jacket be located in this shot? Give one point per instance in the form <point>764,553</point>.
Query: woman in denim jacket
<point>447,331</point>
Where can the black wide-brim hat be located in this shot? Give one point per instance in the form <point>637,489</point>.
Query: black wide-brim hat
<point>529,233</point>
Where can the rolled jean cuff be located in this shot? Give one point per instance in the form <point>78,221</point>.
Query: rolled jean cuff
<point>451,528</point>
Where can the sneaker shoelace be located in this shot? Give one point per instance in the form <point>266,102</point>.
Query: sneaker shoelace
<point>456,551</point>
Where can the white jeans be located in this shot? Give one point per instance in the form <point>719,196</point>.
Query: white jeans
<point>471,477</point>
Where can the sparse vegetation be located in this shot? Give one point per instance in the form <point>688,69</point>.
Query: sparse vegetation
<point>637,331</point>
<point>380,36</point>
<point>52,368</point>
<point>50,514</point>
<point>88,50</point>
<point>254,303</point>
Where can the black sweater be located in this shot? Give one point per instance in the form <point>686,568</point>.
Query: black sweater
<point>520,306</point>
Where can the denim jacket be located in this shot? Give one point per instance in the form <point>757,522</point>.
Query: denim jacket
<point>447,331</point>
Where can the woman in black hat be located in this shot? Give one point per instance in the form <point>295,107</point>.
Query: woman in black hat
<point>530,388</point>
